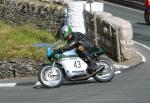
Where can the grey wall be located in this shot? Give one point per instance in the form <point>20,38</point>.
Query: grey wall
<point>44,15</point>
<point>18,68</point>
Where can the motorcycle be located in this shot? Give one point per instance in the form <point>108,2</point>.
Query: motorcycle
<point>147,16</point>
<point>69,66</point>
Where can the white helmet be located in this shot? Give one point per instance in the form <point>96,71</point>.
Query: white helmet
<point>65,31</point>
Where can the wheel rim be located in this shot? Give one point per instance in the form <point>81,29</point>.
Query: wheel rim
<point>107,70</point>
<point>51,77</point>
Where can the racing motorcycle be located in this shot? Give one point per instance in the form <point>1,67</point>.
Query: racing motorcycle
<point>147,16</point>
<point>69,66</point>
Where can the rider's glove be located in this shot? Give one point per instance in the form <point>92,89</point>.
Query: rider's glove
<point>59,51</point>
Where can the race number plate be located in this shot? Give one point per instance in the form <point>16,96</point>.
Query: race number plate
<point>74,66</point>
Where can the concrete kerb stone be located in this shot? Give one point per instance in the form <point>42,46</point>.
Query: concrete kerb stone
<point>120,67</point>
<point>134,62</point>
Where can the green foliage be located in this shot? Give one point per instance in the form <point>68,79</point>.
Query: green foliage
<point>17,42</point>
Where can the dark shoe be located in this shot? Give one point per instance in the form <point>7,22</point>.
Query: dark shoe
<point>90,70</point>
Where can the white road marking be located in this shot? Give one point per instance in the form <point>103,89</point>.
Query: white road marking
<point>148,48</point>
<point>143,58</point>
<point>132,22</point>
<point>118,72</point>
<point>38,84</point>
<point>142,45</point>
<point>8,84</point>
<point>120,66</point>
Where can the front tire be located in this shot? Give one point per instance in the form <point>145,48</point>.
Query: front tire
<point>107,73</point>
<point>49,77</point>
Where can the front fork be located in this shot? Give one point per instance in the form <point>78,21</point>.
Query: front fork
<point>54,72</point>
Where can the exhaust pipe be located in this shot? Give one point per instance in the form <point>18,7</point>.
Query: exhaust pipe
<point>88,76</point>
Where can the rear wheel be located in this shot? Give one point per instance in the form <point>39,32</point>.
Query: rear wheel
<point>108,71</point>
<point>50,77</point>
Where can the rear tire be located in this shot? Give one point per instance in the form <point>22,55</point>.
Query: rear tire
<point>48,78</point>
<point>107,73</point>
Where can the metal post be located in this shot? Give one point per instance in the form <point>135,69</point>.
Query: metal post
<point>90,1</point>
<point>118,45</point>
<point>95,29</point>
<point>111,38</point>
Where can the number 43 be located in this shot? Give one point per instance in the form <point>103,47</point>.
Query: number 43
<point>77,64</point>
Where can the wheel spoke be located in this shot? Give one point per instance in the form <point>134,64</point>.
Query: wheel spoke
<point>49,77</point>
<point>107,73</point>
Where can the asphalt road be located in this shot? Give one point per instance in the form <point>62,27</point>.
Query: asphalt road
<point>132,86</point>
<point>141,30</point>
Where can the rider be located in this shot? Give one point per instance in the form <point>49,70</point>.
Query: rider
<point>82,44</point>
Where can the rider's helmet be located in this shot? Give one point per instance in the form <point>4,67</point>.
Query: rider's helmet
<point>65,32</point>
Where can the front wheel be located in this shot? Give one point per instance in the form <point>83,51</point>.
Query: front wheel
<point>108,71</point>
<point>50,77</point>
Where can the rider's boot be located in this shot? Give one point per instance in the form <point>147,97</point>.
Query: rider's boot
<point>91,66</point>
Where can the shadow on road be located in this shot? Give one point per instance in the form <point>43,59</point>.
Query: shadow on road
<point>141,23</point>
<point>69,84</point>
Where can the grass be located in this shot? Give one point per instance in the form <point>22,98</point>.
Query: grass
<point>17,42</point>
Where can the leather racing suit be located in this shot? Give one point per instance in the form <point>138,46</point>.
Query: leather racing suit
<point>78,39</point>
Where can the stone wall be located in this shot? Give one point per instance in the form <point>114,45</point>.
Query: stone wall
<point>114,34</point>
<point>18,68</point>
<point>44,15</point>
<point>17,12</point>
<point>56,1</point>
